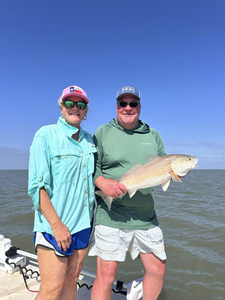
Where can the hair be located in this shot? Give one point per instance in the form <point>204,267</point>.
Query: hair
<point>60,102</point>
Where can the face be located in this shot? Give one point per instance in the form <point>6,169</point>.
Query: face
<point>73,116</point>
<point>128,116</point>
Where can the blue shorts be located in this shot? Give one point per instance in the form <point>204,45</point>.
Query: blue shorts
<point>80,241</point>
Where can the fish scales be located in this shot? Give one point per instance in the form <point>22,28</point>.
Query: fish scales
<point>148,175</point>
<point>157,170</point>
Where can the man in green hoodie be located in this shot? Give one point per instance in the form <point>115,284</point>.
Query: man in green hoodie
<point>131,223</point>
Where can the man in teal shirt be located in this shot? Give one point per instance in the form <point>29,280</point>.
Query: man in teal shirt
<point>131,224</point>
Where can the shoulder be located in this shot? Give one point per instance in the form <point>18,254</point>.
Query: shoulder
<point>154,132</point>
<point>156,135</point>
<point>103,129</point>
<point>46,129</point>
<point>45,132</point>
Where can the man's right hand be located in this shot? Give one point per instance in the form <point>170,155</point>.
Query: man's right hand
<point>110,187</point>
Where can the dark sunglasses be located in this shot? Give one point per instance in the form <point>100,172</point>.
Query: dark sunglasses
<point>131,104</point>
<point>70,104</point>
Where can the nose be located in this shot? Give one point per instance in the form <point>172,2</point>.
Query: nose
<point>128,107</point>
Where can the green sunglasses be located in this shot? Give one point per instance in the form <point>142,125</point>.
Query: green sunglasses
<point>70,104</point>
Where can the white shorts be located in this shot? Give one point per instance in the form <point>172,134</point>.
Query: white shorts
<point>112,244</point>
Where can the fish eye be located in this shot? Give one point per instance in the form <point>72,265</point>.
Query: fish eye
<point>189,158</point>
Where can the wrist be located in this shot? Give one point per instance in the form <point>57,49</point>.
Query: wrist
<point>100,182</point>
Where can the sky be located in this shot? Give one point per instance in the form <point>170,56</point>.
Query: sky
<point>172,51</point>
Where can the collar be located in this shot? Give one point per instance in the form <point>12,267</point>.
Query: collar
<point>68,129</point>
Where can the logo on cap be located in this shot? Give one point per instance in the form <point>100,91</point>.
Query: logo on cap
<point>128,89</point>
<point>76,89</point>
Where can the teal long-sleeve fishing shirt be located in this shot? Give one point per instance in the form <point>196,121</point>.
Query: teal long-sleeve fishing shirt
<point>64,167</point>
<point>117,150</point>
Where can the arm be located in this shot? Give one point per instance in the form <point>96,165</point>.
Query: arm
<point>39,188</point>
<point>60,231</point>
<point>110,187</point>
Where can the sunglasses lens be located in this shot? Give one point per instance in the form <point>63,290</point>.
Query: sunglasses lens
<point>69,104</point>
<point>133,104</point>
<point>81,105</point>
<point>123,103</point>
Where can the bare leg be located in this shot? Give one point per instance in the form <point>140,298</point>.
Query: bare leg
<point>75,264</point>
<point>106,274</point>
<point>154,275</point>
<point>53,272</point>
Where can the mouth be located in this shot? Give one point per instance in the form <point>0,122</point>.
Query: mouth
<point>73,114</point>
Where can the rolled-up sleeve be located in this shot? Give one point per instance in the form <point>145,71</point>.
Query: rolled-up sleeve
<point>39,170</point>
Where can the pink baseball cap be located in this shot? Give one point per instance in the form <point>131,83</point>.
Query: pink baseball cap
<point>75,90</point>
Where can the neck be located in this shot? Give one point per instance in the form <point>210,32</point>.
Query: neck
<point>128,126</point>
<point>75,136</point>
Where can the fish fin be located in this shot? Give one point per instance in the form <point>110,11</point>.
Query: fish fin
<point>108,200</point>
<point>175,177</point>
<point>133,168</point>
<point>165,185</point>
<point>151,158</point>
<point>131,193</point>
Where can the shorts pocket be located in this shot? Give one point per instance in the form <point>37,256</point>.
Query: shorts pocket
<point>156,235</point>
<point>106,239</point>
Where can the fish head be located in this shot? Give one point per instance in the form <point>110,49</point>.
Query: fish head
<point>182,164</point>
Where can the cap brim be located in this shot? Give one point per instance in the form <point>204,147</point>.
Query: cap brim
<point>76,94</point>
<point>124,94</point>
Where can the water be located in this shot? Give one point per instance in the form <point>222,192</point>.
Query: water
<point>191,215</point>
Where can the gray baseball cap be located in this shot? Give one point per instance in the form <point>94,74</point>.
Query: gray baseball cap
<point>128,89</point>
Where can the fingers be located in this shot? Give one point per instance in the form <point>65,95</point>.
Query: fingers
<point>120,189</point>
<point>64,244</point>
<point>123,188</point>
<point>62,237</point>
<point>113,188</point>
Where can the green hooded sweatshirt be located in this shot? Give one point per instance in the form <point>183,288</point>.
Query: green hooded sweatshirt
<point>117,150</point>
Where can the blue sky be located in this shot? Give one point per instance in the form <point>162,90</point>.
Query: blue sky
<point>172,51</point>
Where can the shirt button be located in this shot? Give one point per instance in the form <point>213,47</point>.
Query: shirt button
<point>82,152</point>
<point>85,178</point>
<point>84,165</point>
<point>86,205</point>
<point>85,192</point>
<point>39,178</point>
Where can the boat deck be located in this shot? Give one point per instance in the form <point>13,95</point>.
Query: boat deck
<point>12,286</point>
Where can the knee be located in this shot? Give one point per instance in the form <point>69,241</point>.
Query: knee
<point>158,269</point>
<point>107,276</point>
<point>161,270</point>
<point>51,291</point>
<point>73,273</point>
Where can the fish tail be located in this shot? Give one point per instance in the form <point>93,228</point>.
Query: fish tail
<point>108,200</point>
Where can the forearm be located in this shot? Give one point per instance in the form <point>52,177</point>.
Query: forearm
<point>47,209</point>
<point>60,230</point>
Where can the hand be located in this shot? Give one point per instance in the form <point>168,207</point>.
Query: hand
<point>112,188</point>
<point>62,235</point>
